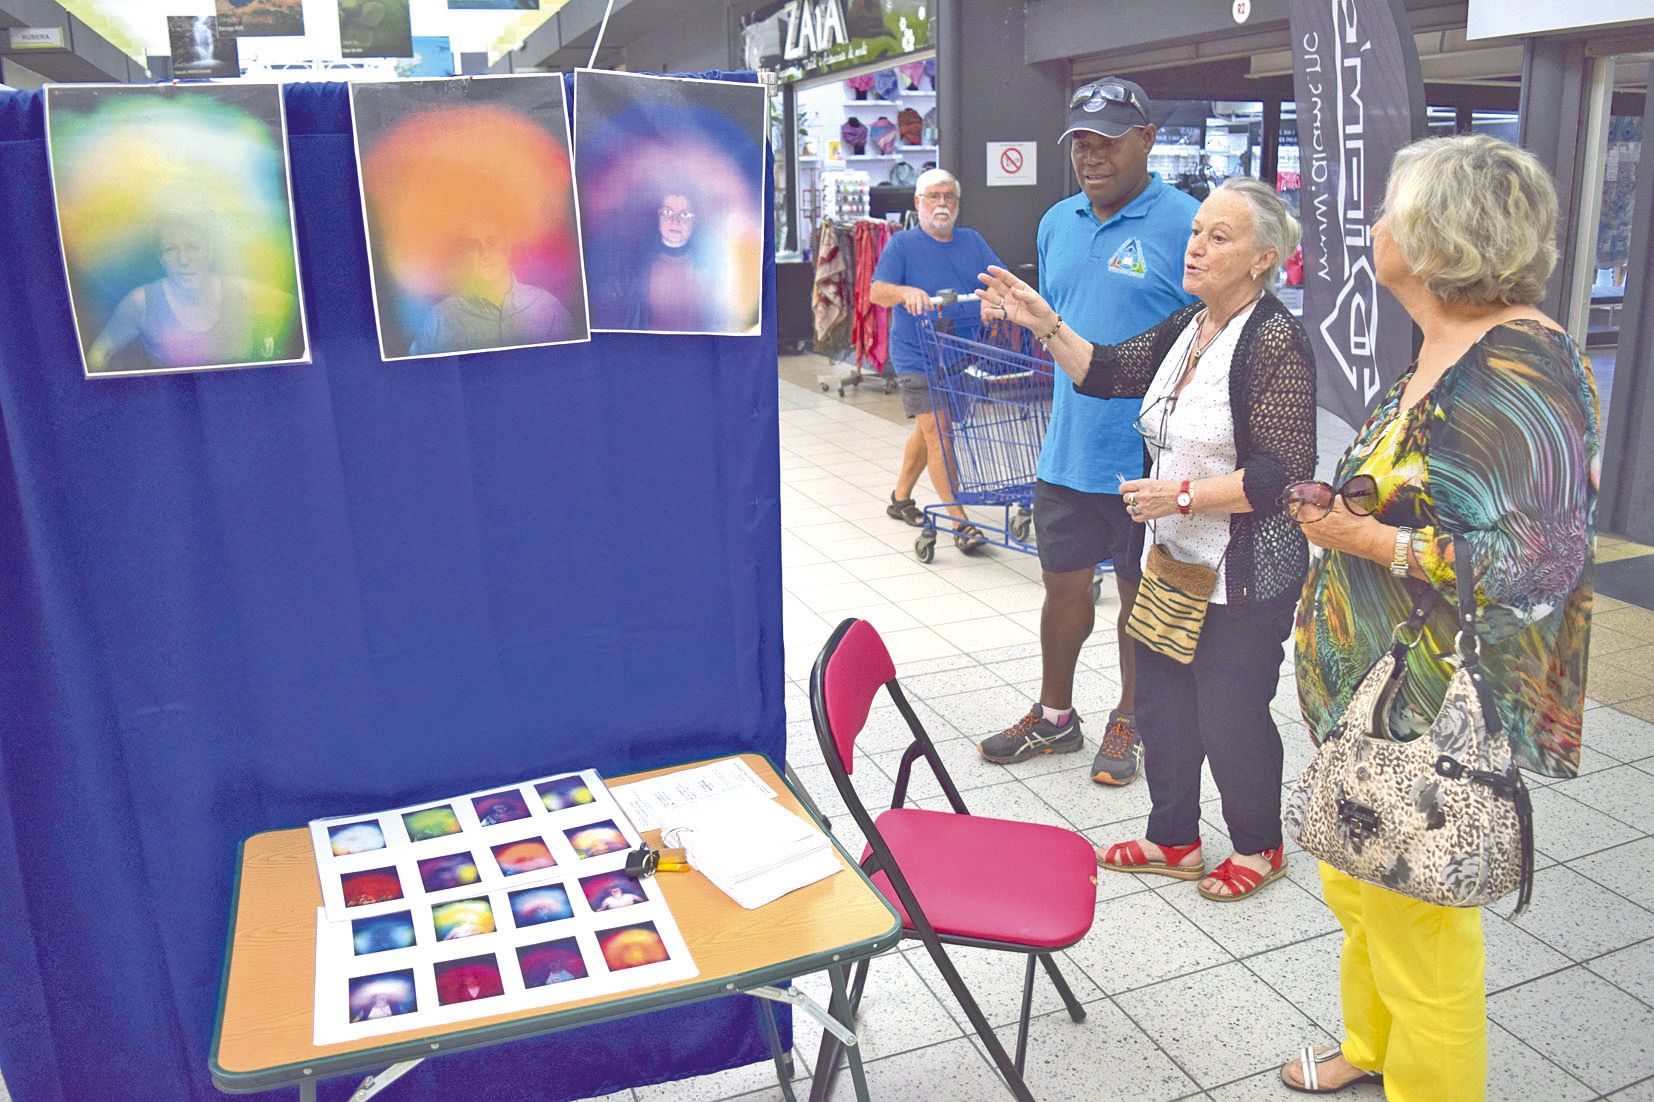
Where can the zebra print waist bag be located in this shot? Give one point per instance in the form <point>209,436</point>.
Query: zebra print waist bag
<point>1445,817</point>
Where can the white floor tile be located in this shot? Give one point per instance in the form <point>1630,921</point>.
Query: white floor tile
<point>1630,969</point>
<point>1624,869</point>
<point>991,631</point>
<point>1580,1021</point>
<point>1140,939</point>
<point>1104,1057</point>
<point>1625,793</point>
<point>1237,1031</point>
<point>1281,914</point>
<point>1564,828</point>
<point>1306,974</point>
<point>1580,918</point>
<point>950,608</point>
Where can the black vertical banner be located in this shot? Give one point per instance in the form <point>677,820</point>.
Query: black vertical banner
<point>1355,71</point>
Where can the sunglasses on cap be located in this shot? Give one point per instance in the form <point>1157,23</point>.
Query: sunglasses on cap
<point>1307,502</point>
<point>1095,95</point>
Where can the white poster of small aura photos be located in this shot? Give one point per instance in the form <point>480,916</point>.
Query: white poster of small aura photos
<point>513,836</point>
<point>595,931</point>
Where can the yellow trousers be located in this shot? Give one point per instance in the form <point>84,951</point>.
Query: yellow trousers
<point>1415,998</point>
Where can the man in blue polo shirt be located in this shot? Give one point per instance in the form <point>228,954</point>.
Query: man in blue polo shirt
<point>1111,263</point>
<point>938,254</point>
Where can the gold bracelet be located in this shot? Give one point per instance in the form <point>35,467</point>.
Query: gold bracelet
<point>1045,341</point>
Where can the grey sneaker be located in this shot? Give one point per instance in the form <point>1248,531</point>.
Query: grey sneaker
<point>1032,735</point>
<point>1120,758</point>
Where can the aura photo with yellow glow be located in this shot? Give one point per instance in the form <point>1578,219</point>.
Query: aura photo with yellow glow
<point>174,209</point>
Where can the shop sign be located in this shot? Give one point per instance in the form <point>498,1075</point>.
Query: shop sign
<point>36,38</point>
<point>804,38</point>
<point>1013,164</point>
<point>1360,96</point>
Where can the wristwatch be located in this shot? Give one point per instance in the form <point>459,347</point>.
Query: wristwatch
<point>1399,565</point>
<point>1184,498</point>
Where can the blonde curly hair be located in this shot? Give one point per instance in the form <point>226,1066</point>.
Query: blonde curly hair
<point>1474,217</point>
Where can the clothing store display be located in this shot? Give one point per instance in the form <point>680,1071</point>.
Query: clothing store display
<point>854,135</point>
<point>883,134</point>
<point>911,73</point>
<point>903,174</point>
<point>870,327</point>
<point>886,85</point>
<point>928,134</point>
<point>859,85</point>
<point>1444,817</point>
<point>910,125</point>
<point>831,297</point>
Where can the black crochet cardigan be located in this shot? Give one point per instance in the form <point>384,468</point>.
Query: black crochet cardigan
<point>1272,394</point>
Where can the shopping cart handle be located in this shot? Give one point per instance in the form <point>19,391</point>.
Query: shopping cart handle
<point>947,296</point>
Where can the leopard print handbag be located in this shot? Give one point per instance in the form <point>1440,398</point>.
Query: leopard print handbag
<point>1444,818</point>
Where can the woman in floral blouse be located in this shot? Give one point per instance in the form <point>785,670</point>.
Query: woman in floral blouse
<point>1491,435</point>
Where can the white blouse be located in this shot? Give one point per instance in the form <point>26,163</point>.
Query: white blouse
<point>1198,428</point>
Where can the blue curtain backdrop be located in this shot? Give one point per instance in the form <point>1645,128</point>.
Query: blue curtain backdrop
<point>234,601</point>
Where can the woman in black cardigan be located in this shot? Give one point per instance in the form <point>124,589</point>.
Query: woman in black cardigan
<point>1228,389</point>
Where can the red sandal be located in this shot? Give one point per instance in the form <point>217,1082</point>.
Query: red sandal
<point>1129,857</point>
<point>1242,881</point>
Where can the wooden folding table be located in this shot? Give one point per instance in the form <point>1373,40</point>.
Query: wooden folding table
<point>262,1038</point>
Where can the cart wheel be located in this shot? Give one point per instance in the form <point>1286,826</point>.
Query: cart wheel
<point>1097,590</point>
<point>925,547</point>
<point>1022,523</point>
<point>841,390</point>
<point>825,387</point>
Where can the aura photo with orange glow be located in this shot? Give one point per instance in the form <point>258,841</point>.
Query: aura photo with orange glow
<point>468,197</point>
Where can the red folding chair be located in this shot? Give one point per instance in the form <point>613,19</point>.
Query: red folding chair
<point>956,878</point>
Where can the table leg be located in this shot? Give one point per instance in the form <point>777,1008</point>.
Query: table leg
<point>841,1009</point>
<point>307,1090</point>
<point>783,1072</point>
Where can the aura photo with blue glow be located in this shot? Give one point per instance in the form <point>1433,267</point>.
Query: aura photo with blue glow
<point>670,178</point>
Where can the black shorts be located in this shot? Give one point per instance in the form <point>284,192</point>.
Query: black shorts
<point>915,391</point>
<point>1077,530</point>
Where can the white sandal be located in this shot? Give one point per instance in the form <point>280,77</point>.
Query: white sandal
<point>1309,1060</point>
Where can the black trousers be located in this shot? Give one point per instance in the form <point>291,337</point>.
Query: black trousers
<point>1217,709</point>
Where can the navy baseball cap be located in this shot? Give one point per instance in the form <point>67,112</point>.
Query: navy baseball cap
<point>1110,107</point>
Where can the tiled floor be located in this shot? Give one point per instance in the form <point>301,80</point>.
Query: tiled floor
<point>1185,999</point>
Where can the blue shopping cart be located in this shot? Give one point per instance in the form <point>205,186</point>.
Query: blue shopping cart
<point>990,387</point>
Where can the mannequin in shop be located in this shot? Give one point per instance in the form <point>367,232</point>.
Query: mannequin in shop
<point>1140,223</point>
<point>917,263</point>
<point>197,314</point>
<point>489,307</point>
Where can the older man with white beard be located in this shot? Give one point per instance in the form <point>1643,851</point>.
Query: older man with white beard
<point>938,254</point>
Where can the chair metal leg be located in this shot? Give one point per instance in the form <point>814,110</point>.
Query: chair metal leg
<point>1075,1010</point>
<point>783,1066</point>
<point>1027,1012</point>
<point>841,1007</point>
<point>979,1022</point>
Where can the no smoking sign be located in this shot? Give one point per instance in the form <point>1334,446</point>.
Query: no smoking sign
<point>1013,164</point>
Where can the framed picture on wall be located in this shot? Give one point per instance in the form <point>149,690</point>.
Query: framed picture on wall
<point>468,197</point>
<point>670,175</point>
<point>174,209</point>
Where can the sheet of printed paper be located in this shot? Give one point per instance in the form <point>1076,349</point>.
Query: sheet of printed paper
<point>507,837</point>
<point>643,801</point>
<point>591,931</point>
